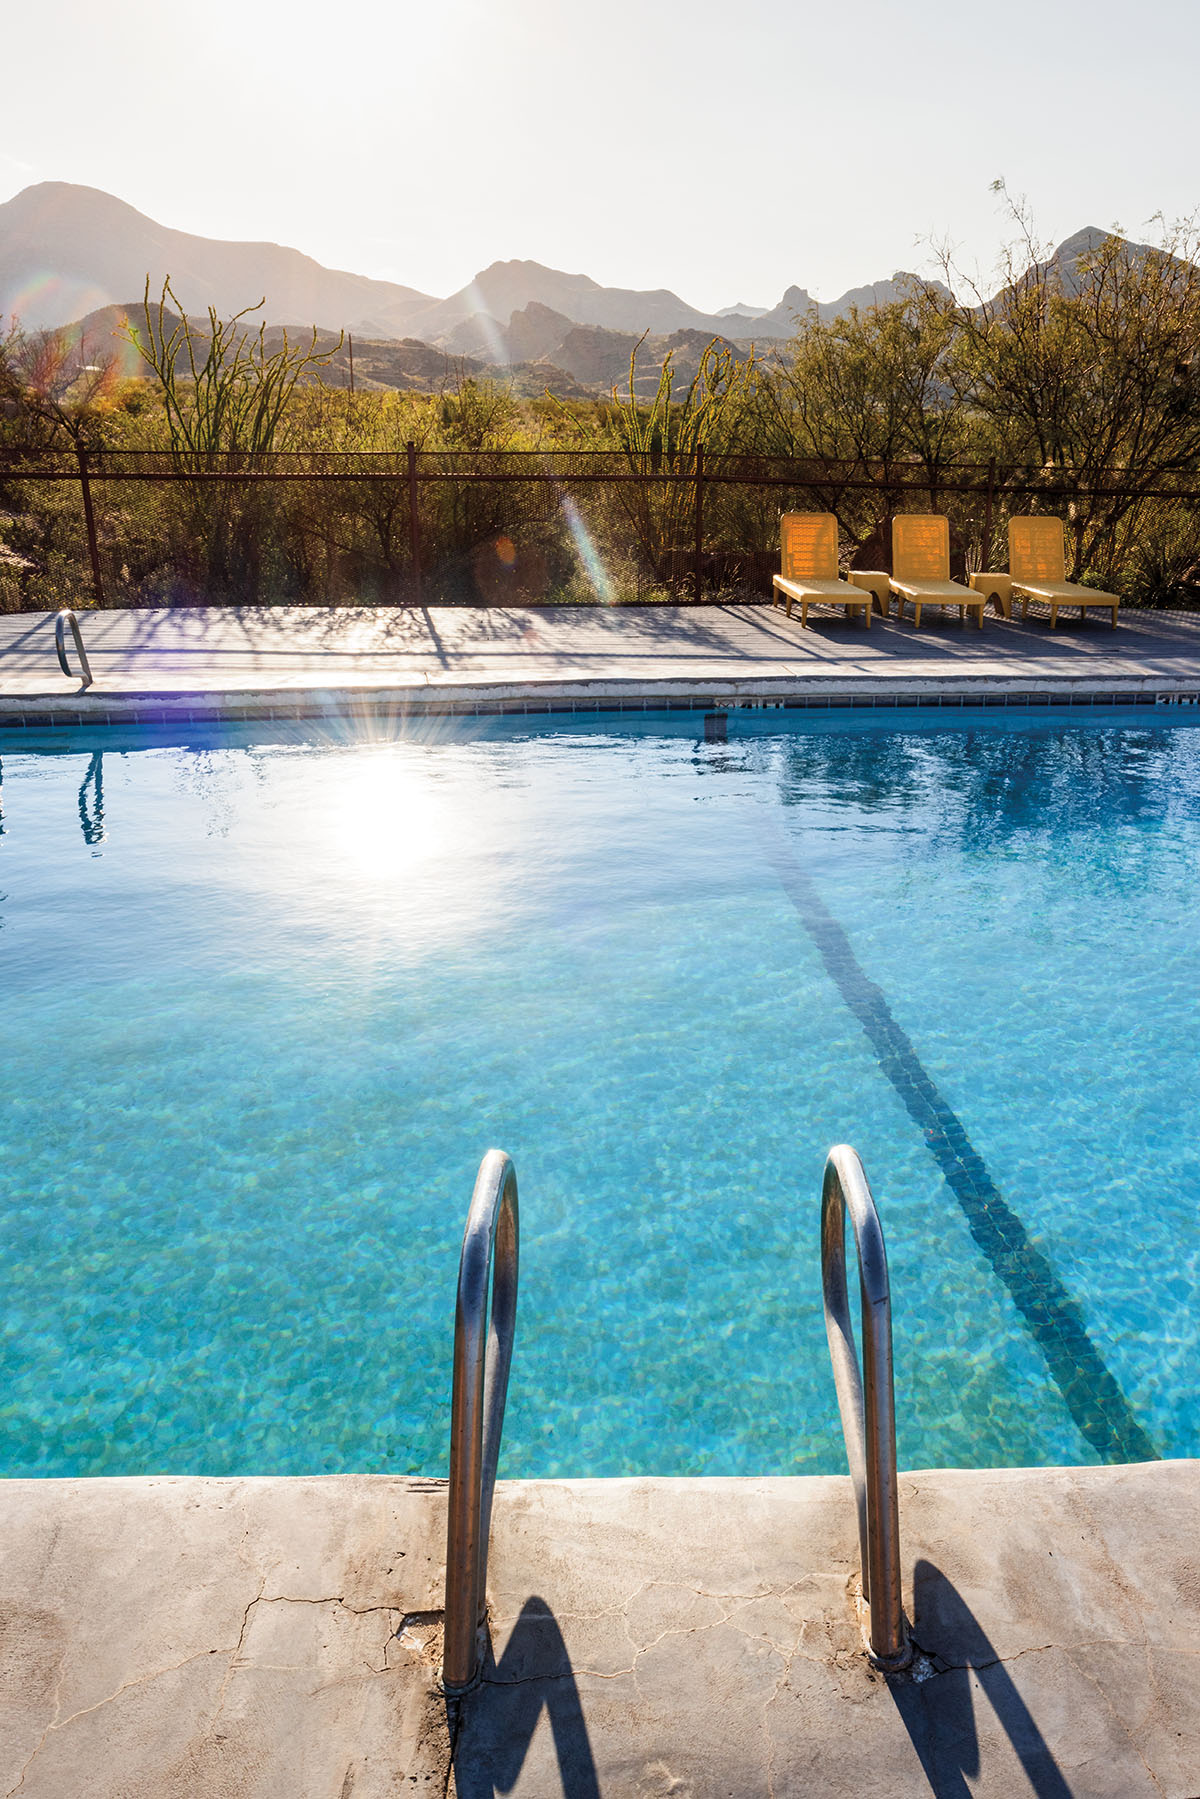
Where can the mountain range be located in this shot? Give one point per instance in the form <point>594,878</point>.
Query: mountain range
<point>66,250</point>
<point>74,255</point>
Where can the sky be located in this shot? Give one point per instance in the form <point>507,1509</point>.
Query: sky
<point>723,151</point>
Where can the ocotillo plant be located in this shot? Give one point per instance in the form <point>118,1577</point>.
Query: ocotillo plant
<point>233,396</point>
<point>665,434</point>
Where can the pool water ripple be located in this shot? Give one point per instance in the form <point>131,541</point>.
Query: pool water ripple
<point>267,997</point>
<point>1093,1397</point>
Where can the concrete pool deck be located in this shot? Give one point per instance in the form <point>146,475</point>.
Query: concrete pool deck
<point>239,662</point>
<point>279,1639</point>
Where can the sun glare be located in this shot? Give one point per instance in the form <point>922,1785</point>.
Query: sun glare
<point>392,812</point>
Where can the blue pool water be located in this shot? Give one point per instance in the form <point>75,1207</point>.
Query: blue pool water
<point>267,995</point>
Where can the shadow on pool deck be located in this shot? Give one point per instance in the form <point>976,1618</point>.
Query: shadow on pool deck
<point>493,1727</point>
<point>938,1711</point>
<point>208,649</point>
<point>496,1723</point>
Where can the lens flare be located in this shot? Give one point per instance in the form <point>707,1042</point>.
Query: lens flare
<point>45,297</point>
<point>480,316</point>
<point>587,552</point>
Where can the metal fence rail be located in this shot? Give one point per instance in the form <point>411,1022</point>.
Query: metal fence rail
<point>576,466</point>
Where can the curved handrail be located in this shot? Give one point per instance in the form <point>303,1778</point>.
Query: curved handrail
<point>482,1354</point>
<point>870,1429</point>
<point>63,619</point>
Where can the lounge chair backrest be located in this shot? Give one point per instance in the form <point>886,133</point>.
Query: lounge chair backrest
<point>921,546</point>
<point>808,544</point>
<point>1035,549</point>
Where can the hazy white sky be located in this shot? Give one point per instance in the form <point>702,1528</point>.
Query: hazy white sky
<point>724,151</point>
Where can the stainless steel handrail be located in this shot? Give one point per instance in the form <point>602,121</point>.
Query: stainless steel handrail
<point>482,1355</point>
<point>870,1430</point>
<point>64,618</point>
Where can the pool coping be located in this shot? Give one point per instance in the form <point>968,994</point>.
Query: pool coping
<point>531,697</point>
<point>276,1638</point>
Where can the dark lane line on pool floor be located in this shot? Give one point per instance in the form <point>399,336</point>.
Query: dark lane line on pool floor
<point>1093,1397</point>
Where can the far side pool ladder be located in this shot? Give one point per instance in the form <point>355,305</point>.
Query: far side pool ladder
<point>482,1356</point>
<point>866,1400</point>
<point>64,621</point>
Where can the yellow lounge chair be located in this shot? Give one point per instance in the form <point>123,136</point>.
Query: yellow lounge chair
<point>921,567</point>
<point>808,544</point>
<point>1037,564</point>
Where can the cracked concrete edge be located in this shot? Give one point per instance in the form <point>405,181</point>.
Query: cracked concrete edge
<point>1045,1673</point>
<point>710,1627</point>
<point>162,1625</point>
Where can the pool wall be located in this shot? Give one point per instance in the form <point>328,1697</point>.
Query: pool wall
<point>535,699</point>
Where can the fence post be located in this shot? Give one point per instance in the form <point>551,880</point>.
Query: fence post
<point>699,559</point>
<point>987,514</point>
<point>90,520</point>
<point>414,520</point>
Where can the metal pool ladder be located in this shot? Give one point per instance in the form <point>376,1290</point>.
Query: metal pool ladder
<point>482,1355</point>
<point>869,1428</point>
<point>483,1345</point>
<point>64,618</point>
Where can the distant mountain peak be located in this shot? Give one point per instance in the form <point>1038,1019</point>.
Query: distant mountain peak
<point>523,269</point>
<point>66,250</point>
<point>1089,238</point>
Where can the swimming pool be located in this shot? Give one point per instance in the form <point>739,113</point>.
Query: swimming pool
<point>269,993</point>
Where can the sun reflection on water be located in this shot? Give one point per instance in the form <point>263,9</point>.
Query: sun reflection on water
<point>391,813</point>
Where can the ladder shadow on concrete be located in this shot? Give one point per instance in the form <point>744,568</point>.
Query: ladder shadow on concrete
<point>936,1701</point>
<point>496,1721</point>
